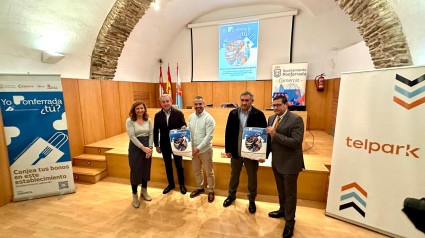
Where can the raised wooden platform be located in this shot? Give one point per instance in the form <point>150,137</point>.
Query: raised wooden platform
<point>89,168</point>
<point>312,183</point>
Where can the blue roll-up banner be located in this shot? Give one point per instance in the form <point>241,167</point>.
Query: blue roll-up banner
<point>36,134</point>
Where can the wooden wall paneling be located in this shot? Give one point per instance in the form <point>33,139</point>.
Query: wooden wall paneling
<point>74,121</point>
<point>316,105</point>
<point>235,90</point>
<point>328,105</point>
<point>6,189</point>
<point>141,92</point>
<point>138,86</point>
<point>206,90</point>
<point>111,107</point>
<point>151,113</point>
<point>220,90</point>
<point>186,113</point>
<point>126,100</point>
<point>257,88</point>
<point>331,87</point>
<point>189,91</point>
<point>321,106</point>
<point>335,99</point>
<point>174,90</point>
<point>91,110</point>
<point>267,93</point>
<point>153,95</point>
<point>220,116</point>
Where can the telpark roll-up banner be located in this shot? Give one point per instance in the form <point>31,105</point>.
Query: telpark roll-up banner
<point>378,156</point>
<point>36,135</point>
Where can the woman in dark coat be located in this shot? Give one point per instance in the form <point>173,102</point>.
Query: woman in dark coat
<point>139,129</point>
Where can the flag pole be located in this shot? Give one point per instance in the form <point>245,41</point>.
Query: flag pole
<point>169,89</point>
<point>161,82</point>
<point>179,93</point>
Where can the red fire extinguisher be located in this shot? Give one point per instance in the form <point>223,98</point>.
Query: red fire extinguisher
<point>320,82</point>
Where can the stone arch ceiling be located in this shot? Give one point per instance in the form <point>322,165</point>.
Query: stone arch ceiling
<point>381,30</point>
<point>378,25</point>
<point>117,27</point>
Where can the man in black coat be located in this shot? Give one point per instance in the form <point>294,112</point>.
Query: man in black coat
<point>286,134</point>
<point>244,116</point>
<point>165,120</point>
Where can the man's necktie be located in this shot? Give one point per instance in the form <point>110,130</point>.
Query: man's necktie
<point>277,123</point>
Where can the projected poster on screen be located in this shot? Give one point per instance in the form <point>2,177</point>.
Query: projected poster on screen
<point>238,52</point>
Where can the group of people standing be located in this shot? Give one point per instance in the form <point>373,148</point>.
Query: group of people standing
<point>285,135</point>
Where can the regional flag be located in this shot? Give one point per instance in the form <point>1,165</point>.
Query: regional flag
<point>161,82</point>
<point>179,90</point>
<point>168,89</point>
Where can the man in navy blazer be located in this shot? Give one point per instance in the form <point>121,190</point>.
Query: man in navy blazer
<point>165,120</point>
<point>286,133</point>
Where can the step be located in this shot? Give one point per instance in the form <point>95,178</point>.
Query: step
<point>95,150</point>
<point>90,160</point>
<point>88,175</point>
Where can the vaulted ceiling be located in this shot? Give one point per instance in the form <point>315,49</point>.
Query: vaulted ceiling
<point>72,28</point>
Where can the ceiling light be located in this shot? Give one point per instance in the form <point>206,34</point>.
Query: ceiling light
<point>51,57</point>
<point>155,4</point>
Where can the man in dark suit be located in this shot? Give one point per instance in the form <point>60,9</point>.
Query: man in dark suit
<point>165,120</point>
<point>244,116</point>
<point>286,133</point>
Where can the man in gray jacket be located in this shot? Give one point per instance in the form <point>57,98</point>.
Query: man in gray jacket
<point>286,133</point>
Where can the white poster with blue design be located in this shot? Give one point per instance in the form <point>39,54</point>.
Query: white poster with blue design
<point>181,143</point>
<point>238,52</point>
<point>254,143</point>
<point>36,133</point>
<point>289,80</point>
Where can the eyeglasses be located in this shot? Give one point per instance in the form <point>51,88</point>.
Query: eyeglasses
<point>277,105</point>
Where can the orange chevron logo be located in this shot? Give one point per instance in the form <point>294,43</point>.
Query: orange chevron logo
<point>354,185</point>
<point>347,196</point>
<point>406,105</point>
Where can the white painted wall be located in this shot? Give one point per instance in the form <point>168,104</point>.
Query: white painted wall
<point>353,58</point>
<point>71,27</point>
<point>68,27</point>
<point>139,59</point>
<point>317,40</point>
<point>178,52</point>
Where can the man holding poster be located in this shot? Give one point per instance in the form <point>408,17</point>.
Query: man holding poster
<point>167,119</point>
<point>201,125</point>
<point>244,116</point>
<point>286,130</point>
